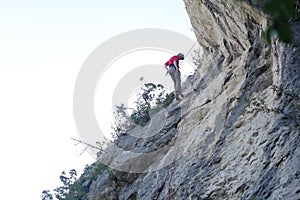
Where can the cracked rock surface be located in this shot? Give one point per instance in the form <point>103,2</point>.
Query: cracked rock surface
<point>235,135</point>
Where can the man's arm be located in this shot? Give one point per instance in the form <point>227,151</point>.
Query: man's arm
<point>176,63</point>
<point>166,66</point>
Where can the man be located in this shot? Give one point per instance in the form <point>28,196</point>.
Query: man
<point>172,67</point>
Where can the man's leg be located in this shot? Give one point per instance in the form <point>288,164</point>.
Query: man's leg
<point>174,75</point>
<point>172,72</point>
<point>177,84</point>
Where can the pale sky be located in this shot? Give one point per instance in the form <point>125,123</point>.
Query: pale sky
<point>43,45</point>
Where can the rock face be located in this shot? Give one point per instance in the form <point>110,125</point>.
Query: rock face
<point>235,135</point>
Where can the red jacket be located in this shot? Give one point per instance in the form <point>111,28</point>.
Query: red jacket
<point>172,60</point>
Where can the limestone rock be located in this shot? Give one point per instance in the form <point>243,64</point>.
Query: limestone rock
<point>235,135</point>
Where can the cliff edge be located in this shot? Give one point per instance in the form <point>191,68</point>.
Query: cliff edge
<point>235,135</point>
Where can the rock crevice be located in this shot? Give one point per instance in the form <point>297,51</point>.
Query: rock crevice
<point>236,133</point>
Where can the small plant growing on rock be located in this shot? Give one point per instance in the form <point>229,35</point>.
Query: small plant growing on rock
<point>151,98</point>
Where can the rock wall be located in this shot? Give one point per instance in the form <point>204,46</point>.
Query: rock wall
<point>235,135</point>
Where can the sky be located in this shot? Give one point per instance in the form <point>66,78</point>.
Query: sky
<point>43,45</point>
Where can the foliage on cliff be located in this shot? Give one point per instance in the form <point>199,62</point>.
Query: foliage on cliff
<point>280,12</point>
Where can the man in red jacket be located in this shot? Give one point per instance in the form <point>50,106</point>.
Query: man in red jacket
<point>173,69</point>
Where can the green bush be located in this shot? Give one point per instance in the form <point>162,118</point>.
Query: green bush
<point>151,98</point>
<point>72,188</point>
<point>280,12</point>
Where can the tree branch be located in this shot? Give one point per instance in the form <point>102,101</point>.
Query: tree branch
<point>87,144</point>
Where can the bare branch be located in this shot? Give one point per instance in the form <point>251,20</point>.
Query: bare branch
<point>87,144</point>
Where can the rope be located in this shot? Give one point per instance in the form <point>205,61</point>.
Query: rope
<point>188,53</point>
<point>191,48</point>
<point>177,145</point>
<point>173,166</point>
